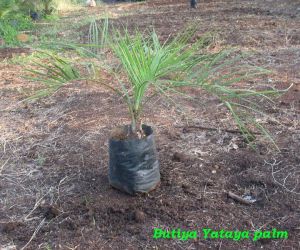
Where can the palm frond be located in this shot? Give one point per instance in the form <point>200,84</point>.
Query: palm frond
<point>54,73</point>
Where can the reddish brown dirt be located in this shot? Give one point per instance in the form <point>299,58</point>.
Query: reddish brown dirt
<point>54,154</point>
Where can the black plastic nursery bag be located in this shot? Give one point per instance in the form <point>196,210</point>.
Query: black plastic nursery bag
<point>133,163</point>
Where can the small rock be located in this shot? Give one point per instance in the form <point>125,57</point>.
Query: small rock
<point>188,190</point>
<point>139,216</point>
<point>50,212</point>
<point>181,157</point>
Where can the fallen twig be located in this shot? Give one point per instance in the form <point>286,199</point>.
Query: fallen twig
<point>233,131</point>
<point>34,233</point>
<point>239,198</point>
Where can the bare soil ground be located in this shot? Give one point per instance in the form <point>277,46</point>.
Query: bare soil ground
<point>54,191</point>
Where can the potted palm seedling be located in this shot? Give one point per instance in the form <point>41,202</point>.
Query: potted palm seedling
<point>149,66</point>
